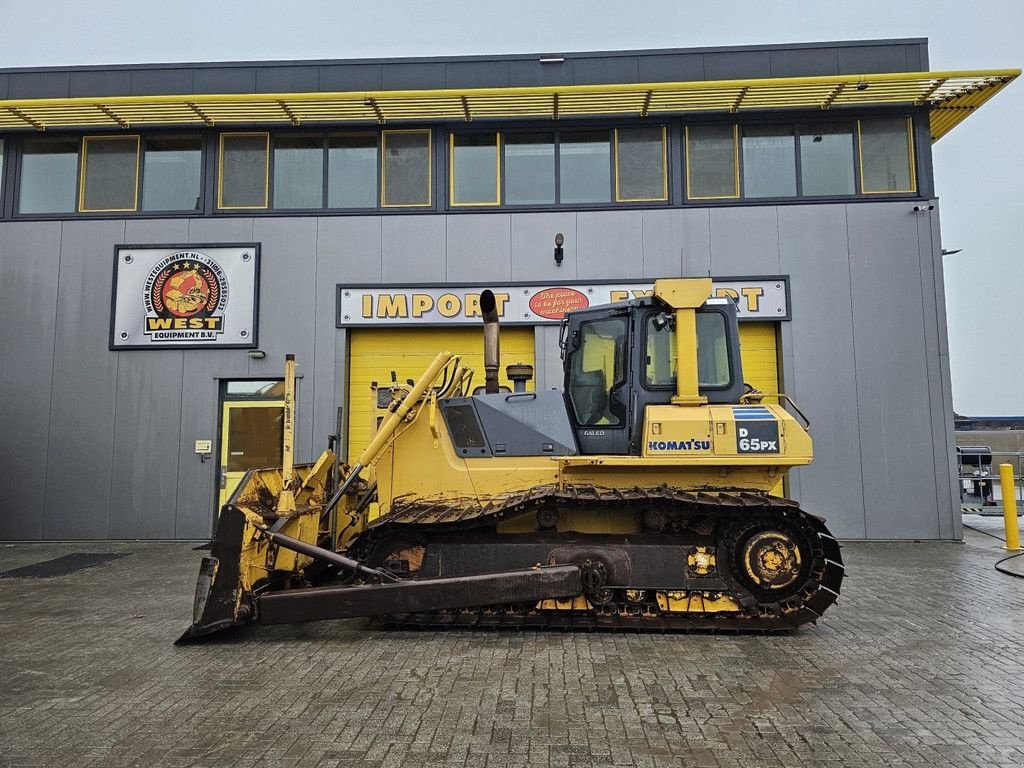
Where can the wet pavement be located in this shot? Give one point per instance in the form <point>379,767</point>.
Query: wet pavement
<point>918,664</point>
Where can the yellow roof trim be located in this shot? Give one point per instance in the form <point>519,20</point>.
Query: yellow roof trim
<point>950,96</point>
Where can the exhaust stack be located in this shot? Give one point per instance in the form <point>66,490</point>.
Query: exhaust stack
<point>492,352</point>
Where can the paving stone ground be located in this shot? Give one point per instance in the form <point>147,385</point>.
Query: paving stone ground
<point>919,664</point>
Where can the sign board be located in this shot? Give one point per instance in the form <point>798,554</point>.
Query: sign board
<point>185,296</point>
<point>758,298</point>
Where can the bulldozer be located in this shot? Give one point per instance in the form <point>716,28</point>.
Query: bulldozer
<point>639,497</point>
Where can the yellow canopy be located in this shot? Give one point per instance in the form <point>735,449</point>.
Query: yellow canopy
<point>950,97</point>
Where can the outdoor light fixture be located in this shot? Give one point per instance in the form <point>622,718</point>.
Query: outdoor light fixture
<point>257,354</point>
<point>559,253</point>
<point>551,59</point>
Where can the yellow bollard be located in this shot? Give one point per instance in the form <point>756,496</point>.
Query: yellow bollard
<point>1009,489</point>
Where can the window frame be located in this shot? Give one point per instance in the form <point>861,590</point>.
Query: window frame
<point>794,135</point>
<point>735,165</point>
<point>272,169</point>
<point>499,168</point>
<point>17,177</point>
<point>853,160</point>
<point>383,151</point>
<point>729,340</point>
<point>664,166</point>
<point>220,172</point>
<point>201,192</point>
<point>378,194</point>
<point>83,173</point>
<point>912,166</point>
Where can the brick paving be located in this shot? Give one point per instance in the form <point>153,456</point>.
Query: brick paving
<point>919,664</point>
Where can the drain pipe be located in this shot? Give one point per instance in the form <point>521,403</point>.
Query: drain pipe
<point>492,353</point>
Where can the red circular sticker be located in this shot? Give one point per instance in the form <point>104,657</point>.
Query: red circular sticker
<point>554,303</point>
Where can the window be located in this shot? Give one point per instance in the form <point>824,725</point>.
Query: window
<point>826,159</point>
<point>172,173</point>
<point>49,170</point>
<point>713,370</point>
<point>584,160</point>
<point>110,174</point>
<point>886,155</point>
<point>298,171</point>
<point>473,169</point>
<point>529,168</point>
<point>243,177</point>
<point>1,163</point>
<point>712,168</point>
<point>598,368</point>
<point>352,171</point>
<point>769,161</point>
<point>640,164</point>
<point>406,168</point>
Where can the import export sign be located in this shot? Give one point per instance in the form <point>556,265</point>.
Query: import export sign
<point>757,298</point>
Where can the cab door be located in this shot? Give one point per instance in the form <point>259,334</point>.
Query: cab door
<point>252,432</point>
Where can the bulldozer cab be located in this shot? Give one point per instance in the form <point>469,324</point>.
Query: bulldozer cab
<point>620,358</point>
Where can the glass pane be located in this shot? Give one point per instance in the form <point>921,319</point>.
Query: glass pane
<point>640,157</point>
<point>598,367</point>
<point>475,169</point>
<point>826,159</point>
<point>530,169</point>
<point>712,352</point>
<point>171,172</point>
<point>352,171</point>
<point>711,161</point>
<point>49,172</point>
<point>769,161</point>
<point>298,172</point>
<point>111,173</point>
<point>885,155</point>
<point>1,160</point>
<point>407,168</point>
<point>254,389</point>
<point>584,174</point>
<point>243,171</point>
<point>254,437</point>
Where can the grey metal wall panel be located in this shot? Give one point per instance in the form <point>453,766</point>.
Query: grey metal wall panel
<point>413,76</point>
<point>161,82</point>
<point>297,79</point>
<point>107,82</point>
<point>892,372</point>
<point>861,59</point>
<point>608,244</point>
<point>81,433</point>
<point>479,247</point>
<point>730,65</point>
<point>742,237</point>
<point>413,249</point>
<point>801,62</point>
<point>476,74</point>
<point>38,85</point>
<point>4,83</point>
<point>530,73</point>
<point>548,372</point>
<point>676,243</point>
<point>29,265</point>
<point>533,246</point>
<point>819,349</point>
<point>225,80</point>
<point>147,430</point>
<point>670,68</point>
<point>613,69</point>
<point>351,77</point>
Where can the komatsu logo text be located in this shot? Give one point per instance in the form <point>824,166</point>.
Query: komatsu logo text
<point>679,445</point>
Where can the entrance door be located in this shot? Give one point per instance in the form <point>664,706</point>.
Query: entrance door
<point>252,431</point>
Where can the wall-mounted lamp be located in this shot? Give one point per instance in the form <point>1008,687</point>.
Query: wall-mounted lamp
<point>257,354</point>
<point>559,253</point>
<point>551,59</point>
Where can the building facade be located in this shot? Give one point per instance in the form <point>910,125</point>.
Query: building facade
<point>168,233</point>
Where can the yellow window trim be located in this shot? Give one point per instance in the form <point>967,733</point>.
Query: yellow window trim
<point>664,171</point>
<point>497,172</point>
<point>220,172</point>
<point>384,169</point>
<point>910,155</point>
<point>735,167</point>
<point>85,160</point>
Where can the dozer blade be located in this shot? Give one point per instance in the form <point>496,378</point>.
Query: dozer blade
<point>217,602</point>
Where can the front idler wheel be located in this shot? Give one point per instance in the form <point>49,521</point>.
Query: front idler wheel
<point>771,560</point>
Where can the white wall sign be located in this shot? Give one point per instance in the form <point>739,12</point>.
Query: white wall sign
<point>758,298</point>
<point>179,296</point>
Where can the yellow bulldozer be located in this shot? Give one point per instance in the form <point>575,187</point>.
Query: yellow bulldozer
<point>640,497</point>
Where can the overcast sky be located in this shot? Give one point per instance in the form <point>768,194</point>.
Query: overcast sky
<point>977,167</point>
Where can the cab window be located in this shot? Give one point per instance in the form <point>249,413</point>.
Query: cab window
<point>712,352</point>
<point>598,368</point>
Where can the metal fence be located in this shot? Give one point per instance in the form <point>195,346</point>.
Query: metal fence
<point>978,478</point>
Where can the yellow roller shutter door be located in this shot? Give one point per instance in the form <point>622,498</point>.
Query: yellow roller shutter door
<point>760,356</point>
<point>375,353</point>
